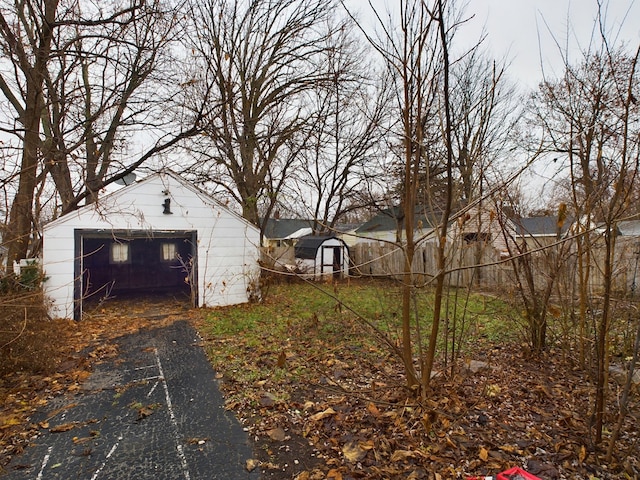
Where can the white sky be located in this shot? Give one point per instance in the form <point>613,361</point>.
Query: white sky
<point>523,31</point>
<point>532,33</point>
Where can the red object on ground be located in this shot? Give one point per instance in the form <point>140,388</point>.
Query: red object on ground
<point>516,473</point>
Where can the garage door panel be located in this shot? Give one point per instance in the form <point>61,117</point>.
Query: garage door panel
<point>138,264</point>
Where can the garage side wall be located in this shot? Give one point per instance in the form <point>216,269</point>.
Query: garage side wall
<point>228,246</point>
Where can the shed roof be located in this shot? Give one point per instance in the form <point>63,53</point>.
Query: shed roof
<point>307,247</point>
<point>630,228</point>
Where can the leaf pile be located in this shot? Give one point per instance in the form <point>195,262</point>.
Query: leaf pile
<point>321,402</point>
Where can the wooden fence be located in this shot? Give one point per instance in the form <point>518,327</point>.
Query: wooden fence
<point>483,266</point>
<point>466,264</point>
<point>480,265</point>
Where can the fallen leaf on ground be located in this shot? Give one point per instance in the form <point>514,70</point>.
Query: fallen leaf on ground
<point>334,474</point>
<point>144,412</point>
<point>65,427</point>
<point>583,454</point>
<point>277,434</point>
<point>324,414</point>
<point>251,464</point>
<point>400,455</point>
<point>484,454</point>
<point>10,422</point>
<point>353,452</point>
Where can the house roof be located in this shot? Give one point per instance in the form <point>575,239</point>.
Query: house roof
<point>541,226</point>
<point>392,218</point>
<point>630,228</point>
<point>307,247</point>
<point>282,228</point>
<point>158,177</point>
<point>346,227</point>
<point>299,233</point>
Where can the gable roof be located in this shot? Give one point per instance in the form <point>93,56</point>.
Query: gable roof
<point>629,228</point>
<point>282,228</point>
<point>391,219</point>
<point>157,177</point>
<point>346,227</point>
<point>541,226</point>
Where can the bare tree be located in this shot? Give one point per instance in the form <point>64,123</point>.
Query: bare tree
<point>590,116</point>
<point>347,136</point>
<point>484,113</point>
<point>537,268</point>
<point>27,38</point>
<point>415,51</point>
<point>84,82</point>
<point>259,59</point>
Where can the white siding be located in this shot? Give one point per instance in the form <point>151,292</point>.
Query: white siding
<point>227,244</point>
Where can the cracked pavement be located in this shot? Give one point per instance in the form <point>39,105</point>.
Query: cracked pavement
<point>153,412</point>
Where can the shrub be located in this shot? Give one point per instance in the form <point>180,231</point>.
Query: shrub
<point>29,340</point>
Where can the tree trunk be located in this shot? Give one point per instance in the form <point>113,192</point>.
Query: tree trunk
<point>20,219</point>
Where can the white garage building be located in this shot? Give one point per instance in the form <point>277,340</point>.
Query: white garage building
<point>157,235</point>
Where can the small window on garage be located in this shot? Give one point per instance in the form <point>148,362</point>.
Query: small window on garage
<point>168,252</point>
<point>119,253</point>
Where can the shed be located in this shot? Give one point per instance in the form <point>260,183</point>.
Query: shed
<point>323,256</point>
<point>159,235</point>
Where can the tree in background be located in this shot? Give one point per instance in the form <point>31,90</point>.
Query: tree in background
<point>84,83</point>
<point>27,39</point>
<point>484,115</point>
<point>259,60</point>
<point>347,138</point>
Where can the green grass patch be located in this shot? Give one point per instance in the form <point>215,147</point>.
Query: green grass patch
<point>299,326</point>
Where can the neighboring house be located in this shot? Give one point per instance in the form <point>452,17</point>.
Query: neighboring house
<point>483,225</point>
<point>347,232</point>
<point>284,232</point>
<point>279,237</point>
<point>388,225</point>
<point>475,237</point>
<point>628,254</point>
<point>322,256</point>
<point>477,224</point>
<point>161,234</point>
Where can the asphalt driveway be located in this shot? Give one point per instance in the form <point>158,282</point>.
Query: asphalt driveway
<point>153,412</point>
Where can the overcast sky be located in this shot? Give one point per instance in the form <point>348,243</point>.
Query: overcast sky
<point>527,34</point>
<point>523,31</point>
